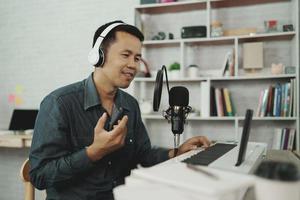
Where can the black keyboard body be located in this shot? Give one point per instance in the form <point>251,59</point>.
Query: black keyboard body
<point>210,154</point>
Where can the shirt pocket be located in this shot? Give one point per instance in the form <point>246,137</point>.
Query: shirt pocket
<point>129,142</point>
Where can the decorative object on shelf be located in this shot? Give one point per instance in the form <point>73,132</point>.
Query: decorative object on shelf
<point>194,113</point>
<point>290,70</point>
<point>174,70</point>
<point>167,1</point>
<point>228,65</point>
<point>288,27</point>
<point>216,29</point>
<point>160,36</point>
<point>148,1</point>
<point>277,68</point>
<point>192,71</point>
<point>171,36</point>
<point>270,26</point>
<point>193,31</point>
<point>253,56</point>
<point>240,31</point>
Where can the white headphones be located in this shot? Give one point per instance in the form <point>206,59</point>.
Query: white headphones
<point>96,55</point>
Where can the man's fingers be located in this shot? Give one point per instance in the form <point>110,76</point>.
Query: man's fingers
<point>204,141</point>
<point>101,122</point>
<point>122,125</point>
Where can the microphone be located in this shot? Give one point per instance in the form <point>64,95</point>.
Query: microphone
<point>177,112</point>
<point>179,105</point>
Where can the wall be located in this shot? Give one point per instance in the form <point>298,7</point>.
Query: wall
<point>44,45</point>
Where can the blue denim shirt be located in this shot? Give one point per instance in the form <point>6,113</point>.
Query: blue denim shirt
<point>65,127</point>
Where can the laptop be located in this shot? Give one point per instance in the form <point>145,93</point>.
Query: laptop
<point>22,119</point>
<point>242,157</point>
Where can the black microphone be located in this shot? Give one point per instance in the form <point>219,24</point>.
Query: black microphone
<point>177,112</point>
<point>178,101</point>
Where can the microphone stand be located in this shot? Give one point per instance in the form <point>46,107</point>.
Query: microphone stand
<point>176,135</point>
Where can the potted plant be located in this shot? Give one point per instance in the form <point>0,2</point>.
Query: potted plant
<point>174,70</point>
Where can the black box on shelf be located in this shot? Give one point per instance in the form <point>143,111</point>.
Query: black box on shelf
<point>193,31</point>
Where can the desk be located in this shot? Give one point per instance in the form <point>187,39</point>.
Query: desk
<point>137,188</point>
<point>15,141</point>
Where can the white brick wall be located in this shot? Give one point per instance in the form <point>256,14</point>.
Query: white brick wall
<point>44,45</point>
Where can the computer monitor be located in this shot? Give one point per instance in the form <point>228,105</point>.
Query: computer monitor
<point>245,137</point>
<point>22,119</point>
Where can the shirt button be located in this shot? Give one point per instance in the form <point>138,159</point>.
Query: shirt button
<point>115,183</point>
<point>109,162</point>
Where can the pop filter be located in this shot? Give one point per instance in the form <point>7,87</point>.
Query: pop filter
<point>158,87</point>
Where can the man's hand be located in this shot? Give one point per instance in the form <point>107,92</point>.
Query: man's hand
<point>191,144</point>
<point>106,142</point>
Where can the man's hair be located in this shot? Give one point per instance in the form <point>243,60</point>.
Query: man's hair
<point>111,36</point>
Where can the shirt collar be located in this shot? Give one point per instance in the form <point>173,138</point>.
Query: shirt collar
<point>91,97</point>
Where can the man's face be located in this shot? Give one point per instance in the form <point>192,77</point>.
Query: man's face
<point>122,60</point>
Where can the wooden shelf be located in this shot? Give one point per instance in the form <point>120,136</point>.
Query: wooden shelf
<point>229,39</point>
<point>225,118</point>
<point>231,78</point>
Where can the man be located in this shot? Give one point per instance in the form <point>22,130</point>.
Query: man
<point>76,152</point>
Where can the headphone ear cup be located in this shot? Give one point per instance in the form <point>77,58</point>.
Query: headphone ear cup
<point>93,56</point>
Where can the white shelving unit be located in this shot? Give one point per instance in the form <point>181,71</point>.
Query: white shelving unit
<point>209,52</point>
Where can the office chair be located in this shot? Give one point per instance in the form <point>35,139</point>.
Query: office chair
<point>24,174</point>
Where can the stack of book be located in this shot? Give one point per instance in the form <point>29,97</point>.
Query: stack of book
<point>221,102</point>
<point>278,100</point>
<point>284,139</point>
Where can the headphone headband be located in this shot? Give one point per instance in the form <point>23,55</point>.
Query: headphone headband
<point>94,57</point>
<point>104,33</point>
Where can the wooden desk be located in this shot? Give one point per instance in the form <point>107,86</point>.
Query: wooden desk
<point>15,141</point>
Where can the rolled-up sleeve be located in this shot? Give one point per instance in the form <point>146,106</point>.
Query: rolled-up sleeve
<point>52,160</point>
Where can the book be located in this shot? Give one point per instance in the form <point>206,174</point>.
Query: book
<point>213,106</point>
<point>286,138</point>
<point>278,100</point>
<point>286,105</point>
<point>282,138</point>
<point>277,138</point>
<point>219,102</point>
<point>275,100</point>
<point>223,102</point>
<point>269,103</point>
<point>290,112</point>
<point>231,63</point>
<point>258,110</point>
<point>205,98</point>
<point>291,139</point>
<point>227,102</point>
<point>264,103</point>
<point>295,98</point>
